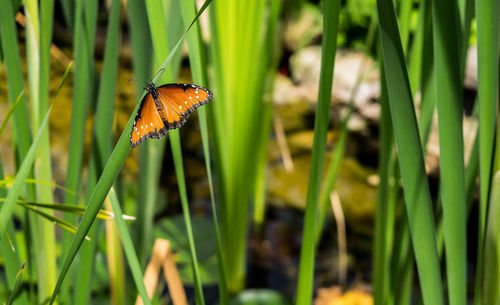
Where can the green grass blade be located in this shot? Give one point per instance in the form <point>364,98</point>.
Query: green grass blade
<point>116,266</point>
<point>198,68</point>
<point>141,58</point>
<point>416,189</point>
<point>175,144</point>
<point>151,153</point>
<point>487,55</point>
<point>52,219</point>
<point>101,146</point>
<point>17,285</point>
<point>331,11</point>
<point>70,208</point>
<point>22,174</point>
<point>10,112</point>
<point>64,77</point>
<point>384,218</point>
<point>109,174</point>
<point>449,108</point>
<point>8,252</point>
<point>82,93</point>
<point>15,83</point>
<point>38,41</point>
<point>128,247</point>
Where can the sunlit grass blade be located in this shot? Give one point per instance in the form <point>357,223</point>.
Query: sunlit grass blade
<point>38,27</point>
<point>106,180</point>
<point>52,219</point>
<point>71,208</point>
<point>17,285</point>
<point>116,266</point>
<point>19,182</point>
<point>451,145</point>
<point>416,189</point>
<point>487,56</point>
<point>331,11</point>
<point>238,32</point>
<point>128,247</point>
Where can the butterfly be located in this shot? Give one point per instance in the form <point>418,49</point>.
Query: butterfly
<point>164,108</point>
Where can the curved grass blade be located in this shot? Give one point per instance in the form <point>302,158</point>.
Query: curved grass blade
<point>17,285</point>
<point>331,11</point>
<point>416,189</point>
<point>109,174</point>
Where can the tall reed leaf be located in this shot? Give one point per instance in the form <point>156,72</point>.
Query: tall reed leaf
<point>331,11</point>
<point>102,143</point>
<point>198,69</point>
<point>106,180</point>
<point>160,35</point>
<point>38,38</point>
<point>451,146</point>
<point>416,189</point>
<point>15,83</point>
<point>487,56</point>
<point>237,32</point>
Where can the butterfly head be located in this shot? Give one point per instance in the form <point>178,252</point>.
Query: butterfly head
<point>150,87</point>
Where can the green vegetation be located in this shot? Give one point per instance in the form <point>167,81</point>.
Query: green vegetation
<point>74,243</point>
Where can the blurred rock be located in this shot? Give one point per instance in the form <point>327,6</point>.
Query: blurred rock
<point>300,30</point>
<point>356,76</point>
<point>356,195</point>
<point>470,76</point>
<point>470,126</point>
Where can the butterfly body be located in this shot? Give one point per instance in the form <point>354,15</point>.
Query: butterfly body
<point>165,108</point>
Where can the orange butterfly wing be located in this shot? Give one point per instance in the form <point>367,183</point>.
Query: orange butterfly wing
<point>175,103</point>
<point>179,100</point>
<point>147,123</point>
